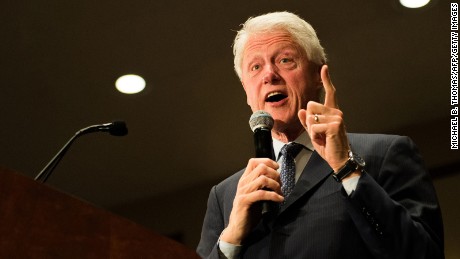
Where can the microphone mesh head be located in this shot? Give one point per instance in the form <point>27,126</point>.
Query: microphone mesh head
<point>261,119</point>
<point>118,128</point>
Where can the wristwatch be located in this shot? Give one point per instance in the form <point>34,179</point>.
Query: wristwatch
<point>354,163</point>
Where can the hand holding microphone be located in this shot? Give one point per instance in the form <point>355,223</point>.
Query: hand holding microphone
<point>259,184</point>
<point>261,124</point>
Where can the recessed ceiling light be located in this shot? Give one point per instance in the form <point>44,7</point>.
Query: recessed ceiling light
<point>130,84</point>
<point>414,3</point>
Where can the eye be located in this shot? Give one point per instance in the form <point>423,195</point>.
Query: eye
<point>287,63</point>
<point>285,60</point>
<point>255,67</point>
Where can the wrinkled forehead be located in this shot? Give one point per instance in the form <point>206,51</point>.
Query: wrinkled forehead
<point>264,42</point>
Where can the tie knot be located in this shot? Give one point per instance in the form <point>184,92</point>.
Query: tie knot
<point>291,150</point>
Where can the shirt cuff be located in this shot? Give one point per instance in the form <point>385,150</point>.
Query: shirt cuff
<point>230,251</point>
<point>350,184</point>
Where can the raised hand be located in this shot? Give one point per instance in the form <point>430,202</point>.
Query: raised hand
<point>325,125</point>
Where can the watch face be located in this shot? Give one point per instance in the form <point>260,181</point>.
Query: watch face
<point>358,160</point>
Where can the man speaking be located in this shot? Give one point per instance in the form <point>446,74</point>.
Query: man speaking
<point>336,194</point>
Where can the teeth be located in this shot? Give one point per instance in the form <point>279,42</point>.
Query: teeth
<point>274,93</point>
<point>275,97</point>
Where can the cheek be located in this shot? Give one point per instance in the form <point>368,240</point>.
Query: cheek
<point>252,91</point>
<point>306,91</point>
<point>251,97</point>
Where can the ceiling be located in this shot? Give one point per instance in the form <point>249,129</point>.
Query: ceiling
<point>60,59</point>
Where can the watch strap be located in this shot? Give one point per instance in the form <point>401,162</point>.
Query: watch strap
<point>349,167</point>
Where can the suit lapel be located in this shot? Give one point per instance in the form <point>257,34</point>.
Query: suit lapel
<point>314,172</point>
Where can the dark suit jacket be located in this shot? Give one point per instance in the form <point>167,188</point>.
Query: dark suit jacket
<point>393,213</point>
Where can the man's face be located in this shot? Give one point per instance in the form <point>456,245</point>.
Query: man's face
<point>277,78</point>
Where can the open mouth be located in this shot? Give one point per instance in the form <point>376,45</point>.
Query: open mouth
<point>275,97</point>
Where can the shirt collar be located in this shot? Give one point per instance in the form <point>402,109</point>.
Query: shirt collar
<point>303,139</point>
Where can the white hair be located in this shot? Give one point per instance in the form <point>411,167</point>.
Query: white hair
<point>301,32</point>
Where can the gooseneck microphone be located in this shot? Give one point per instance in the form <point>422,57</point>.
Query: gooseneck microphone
<point>261,123</point>
<point>116,128</point>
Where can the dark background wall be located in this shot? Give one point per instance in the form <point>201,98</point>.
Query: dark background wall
<point>189,128</point>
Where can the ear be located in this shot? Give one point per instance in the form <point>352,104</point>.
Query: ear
<point>318,80</point>
<point>317,83</point>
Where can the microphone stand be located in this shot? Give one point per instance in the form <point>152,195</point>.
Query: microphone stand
<point>117,128</point>
<point>48,169</point>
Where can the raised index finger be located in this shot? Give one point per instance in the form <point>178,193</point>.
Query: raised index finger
<point>330,99</point>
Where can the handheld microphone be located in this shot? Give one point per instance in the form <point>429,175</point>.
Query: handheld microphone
<point>261,123</point>
<point>116,128</point>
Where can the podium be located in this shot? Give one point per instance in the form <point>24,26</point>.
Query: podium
<point>37,221</point>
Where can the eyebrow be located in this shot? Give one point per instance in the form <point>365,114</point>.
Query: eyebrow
<point>289,51</point>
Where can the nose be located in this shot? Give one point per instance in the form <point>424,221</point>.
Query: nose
<point>270,75</point>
